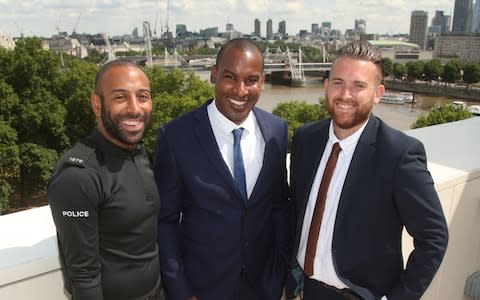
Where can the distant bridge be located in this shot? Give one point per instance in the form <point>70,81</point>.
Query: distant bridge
<point>276,67</point>
<point>209,61</point>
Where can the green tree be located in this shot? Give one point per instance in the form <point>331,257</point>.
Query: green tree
<point>95,56</point>
<point>387,64</point>
<point>298,112</point>
<point>77,83</point>
<point>36,164</point>
<point>451,71</point>
<point>471,73</point>
<point>415,70</point>
<point>174,93</point>
<point>400,71</point>
<point>9,163</point>
<point>442,114</point>
<point>433,69</point>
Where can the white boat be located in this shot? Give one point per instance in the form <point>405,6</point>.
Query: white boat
<point>392,98</point>
<point>474,109</point>
<point>459,104</point>
<point>408,97</point>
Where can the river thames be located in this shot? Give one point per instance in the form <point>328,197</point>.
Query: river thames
<point>400,116</point>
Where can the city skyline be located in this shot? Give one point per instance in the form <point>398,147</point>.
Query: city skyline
<point>117,17</point>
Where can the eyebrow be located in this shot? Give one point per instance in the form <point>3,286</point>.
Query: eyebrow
<point>124,91</point>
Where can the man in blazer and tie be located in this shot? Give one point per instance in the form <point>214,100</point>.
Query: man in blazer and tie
<point>221,174</point>
<point>349,222</point>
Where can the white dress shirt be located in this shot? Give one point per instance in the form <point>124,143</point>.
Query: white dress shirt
<point>252,143</point>
<point>323,267</point>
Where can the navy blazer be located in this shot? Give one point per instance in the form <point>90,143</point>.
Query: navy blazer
<point>208,236</point>
<point>387,188</point>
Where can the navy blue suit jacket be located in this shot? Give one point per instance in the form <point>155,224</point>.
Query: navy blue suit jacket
<point>387,188</point>
<point>207,234</point>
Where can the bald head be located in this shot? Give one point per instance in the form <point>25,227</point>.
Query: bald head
<point>108,66</point>
<point>243,44</point>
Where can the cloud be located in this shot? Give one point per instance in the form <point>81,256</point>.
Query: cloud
<point>40,17</point>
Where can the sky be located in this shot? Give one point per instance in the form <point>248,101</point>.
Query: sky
<point>117,17</point>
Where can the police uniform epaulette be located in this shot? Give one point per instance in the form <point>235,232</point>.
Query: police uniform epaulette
<point>79,154</point>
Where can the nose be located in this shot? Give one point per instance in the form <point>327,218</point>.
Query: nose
<point>240,88</point>
<point>346,92</point>
<point>133,105</point>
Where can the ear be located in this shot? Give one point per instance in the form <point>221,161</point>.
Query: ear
<point>213,75</point>
<point>95,104</point>
<point>379,92</point>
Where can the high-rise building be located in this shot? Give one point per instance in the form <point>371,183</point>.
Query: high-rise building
<point>418,28</point>
<point>229,27</point>
<point>282,28</point>
<point>315,29</point>
<point>476,17</point>
<point>180,30</point>
<point>269,29</point>
<point>462,16</point>
<point>327,25</point>
<point>256,27</point>
<point>360,26</point>
<point>441,20</point>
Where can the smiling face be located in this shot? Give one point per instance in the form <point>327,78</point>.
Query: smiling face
<point>238,80</point>
<point>351,91</point>
<point>123,105</point>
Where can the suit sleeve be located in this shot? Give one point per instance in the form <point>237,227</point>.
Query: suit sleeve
<point>421,212</point>
<point>73,195</point>
<point>282,218</point>
<point>169,186</point>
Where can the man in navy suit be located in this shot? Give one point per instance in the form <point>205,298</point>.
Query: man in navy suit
<point>223,240</point>
<point>380,184</point>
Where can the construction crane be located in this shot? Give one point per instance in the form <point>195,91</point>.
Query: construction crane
<point>147,36</point>
<point>74,31</point>
<point>108,49</point>
<point>167,34</point>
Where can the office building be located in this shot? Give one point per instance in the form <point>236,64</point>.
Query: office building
<point>282,29</point>
<point>256,25</point>
<point>476,17</point>
<point>209,32</point>
<point>269,29</point>
<point>441,22</point>
<point>327,25</point>
<point>360,26</point>
<point>315,30</point>
<point>6,42</point>
<point>462,16</point>
<point>418,28</point>
<point>180,30</point>
<point>463,46</point>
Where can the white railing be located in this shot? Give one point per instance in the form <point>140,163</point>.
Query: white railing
<point>29,265</point>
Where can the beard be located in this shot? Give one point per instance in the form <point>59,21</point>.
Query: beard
<point>349,120</point>
<point>112,126</point>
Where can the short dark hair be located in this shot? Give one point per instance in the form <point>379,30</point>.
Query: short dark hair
<point>241,44</point>
<point>362,50</point>
<point>106,67</point>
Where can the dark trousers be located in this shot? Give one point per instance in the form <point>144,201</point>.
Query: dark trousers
<point>245,290</point>
<point>316,290</point>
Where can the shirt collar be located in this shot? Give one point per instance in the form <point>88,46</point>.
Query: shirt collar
<point>349,143</point>
<point>226,126</point>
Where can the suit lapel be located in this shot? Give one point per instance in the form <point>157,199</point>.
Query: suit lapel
<point>267,133</point>
<point>316,146</point>
<point>361,161</point>
<point>207,141</point>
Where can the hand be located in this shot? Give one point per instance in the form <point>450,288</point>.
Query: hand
<point>193,298</point>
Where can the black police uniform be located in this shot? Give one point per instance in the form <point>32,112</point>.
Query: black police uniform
<point>104,203</point>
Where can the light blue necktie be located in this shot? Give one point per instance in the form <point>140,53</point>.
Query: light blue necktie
<point>238,167</point>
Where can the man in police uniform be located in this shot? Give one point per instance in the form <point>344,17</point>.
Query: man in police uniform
<point>103,196</point>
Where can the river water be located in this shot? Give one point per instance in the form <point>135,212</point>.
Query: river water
<point>396,115</point>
